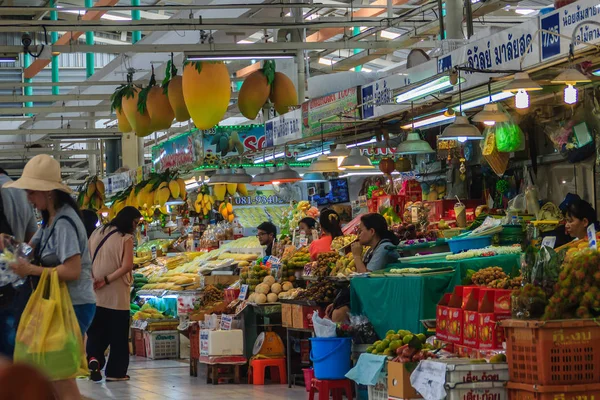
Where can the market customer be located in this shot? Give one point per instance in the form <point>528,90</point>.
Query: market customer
<point>60,243</point>
<point>580,214</point>
<point>331,228</point>
<point>373,232</point>
<point>17,219</point>
<point>112,262</point>
<point>266,235</point>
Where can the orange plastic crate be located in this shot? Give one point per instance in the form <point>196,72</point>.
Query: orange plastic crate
<point>559,352</point>
<point>521,391</point>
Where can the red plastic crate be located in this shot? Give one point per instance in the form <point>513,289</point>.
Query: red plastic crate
<point>521,391</point>
<point>562,352</point>
<point>194,336</point>
<point>140,345</point>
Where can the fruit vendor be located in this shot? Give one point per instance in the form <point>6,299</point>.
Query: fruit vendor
<point>373,232</point>
<point>580,214</point>
<point>307,225</point>
<point>330,229</point>
<point>266,236</point>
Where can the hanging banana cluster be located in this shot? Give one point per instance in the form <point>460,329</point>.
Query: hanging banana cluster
<point>204,201</point>
<point>91,194</point>
<point>150,195</point>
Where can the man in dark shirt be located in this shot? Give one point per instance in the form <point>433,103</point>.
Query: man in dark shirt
<point>266,236</point>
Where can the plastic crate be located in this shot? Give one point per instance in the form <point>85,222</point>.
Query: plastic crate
<point>138,342</point>
<point>469,243</point>
<point>194,336</point>
<point>521,391</point>
<point>162,344</point>
<point>380,390</point>
<point>559,352</point>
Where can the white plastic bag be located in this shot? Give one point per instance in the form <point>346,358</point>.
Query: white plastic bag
<point>324,328</point>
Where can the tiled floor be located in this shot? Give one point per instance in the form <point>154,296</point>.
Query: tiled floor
<point>170,379</point>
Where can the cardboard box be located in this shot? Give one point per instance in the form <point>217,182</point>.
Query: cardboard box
<point>221,343</point>
<point>455,316</point>
<point>471,317</point>
<point>441,318</point>
<point>494,306</point>
<point>399,380</point>
<point>286,315</point>
<point>302,316</point>
<point>220,279</point>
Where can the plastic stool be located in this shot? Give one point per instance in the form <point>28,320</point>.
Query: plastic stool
<point>324,387</point>
<point>256,375</point>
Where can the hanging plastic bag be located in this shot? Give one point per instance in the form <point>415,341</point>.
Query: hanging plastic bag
<point>497,161</point>
<point>509,136</point>
<point>532,196</point>
<point>48,336</point>
<point>324,328</point>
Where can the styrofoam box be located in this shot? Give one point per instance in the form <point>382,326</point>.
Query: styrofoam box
<point>464,371</point>
<point>483,390</point>
<point>221,343</point>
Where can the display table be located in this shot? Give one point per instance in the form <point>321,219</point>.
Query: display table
<point>393,303</point>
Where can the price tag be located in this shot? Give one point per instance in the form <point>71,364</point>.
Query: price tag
<point>591,232</point>
<point>240,307</point>
<point>226,322</point>
<point>549,241</point>
<point>243,292</point>
<point>154,253</point>
<point>414,214</point>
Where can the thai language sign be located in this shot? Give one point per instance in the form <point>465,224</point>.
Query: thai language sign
<point>325,111</point>
<point>284,128</point>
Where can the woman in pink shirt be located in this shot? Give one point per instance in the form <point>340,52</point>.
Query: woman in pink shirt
<point>330,228</point>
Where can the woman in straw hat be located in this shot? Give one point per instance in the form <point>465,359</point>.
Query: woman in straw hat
<point>60,243</point>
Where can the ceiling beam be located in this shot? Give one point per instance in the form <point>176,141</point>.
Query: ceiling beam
<point>67,131</point>
<point>13,10</point>
<point>13,85</point>
<point>39,64</point>
<point>53,98</point>
<point>53,109</point>
<point>337,25</point>
<point>328,33</point>
<point>215,49</point>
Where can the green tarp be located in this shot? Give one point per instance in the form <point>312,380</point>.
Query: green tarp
<point>402,302</point>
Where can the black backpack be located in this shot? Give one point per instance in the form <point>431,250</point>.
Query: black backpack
<point>7,292</point>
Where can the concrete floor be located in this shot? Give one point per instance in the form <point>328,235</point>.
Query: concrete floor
<point>170,379</point>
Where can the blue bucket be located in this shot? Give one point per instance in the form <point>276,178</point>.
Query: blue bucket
<point>331,357</point>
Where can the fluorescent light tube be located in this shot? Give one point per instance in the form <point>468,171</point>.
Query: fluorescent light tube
<point>373,140</point>
<point>267,158</point>
<point>231,57</point>
<point>389,35</point>
<point>424,90</point>
<point>311,155</point>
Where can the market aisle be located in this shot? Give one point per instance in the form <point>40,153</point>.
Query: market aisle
<point>169,379</point>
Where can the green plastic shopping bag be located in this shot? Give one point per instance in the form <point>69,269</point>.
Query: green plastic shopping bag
<point>48,336</point>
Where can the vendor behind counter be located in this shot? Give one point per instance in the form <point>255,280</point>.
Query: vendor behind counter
<point>373,232</point>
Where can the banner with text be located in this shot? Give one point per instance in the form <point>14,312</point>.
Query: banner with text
<point>284,128</point>
<point>174,153</point>
<point>326,110</point>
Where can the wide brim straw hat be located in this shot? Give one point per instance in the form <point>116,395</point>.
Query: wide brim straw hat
<point>41,173</point>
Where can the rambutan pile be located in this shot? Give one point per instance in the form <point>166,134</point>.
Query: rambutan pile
<point>577,292</point>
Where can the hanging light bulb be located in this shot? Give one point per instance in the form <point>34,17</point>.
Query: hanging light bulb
<point>522,99</point>
<point>570,94</point>
<point>571,77</point>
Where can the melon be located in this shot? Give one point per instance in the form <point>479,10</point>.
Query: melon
<point>252,298</point>
<point>160,111</point>
<point>260,298</point>
<point>253,94</point>
<point>269,280</point>
<point>287,286</point>
<point>207,92</point>
<point>122,122</point>
<point>262,288</point>
<point>140,123</point>
<point>276,288</point>
<point>283,93</point>
<point>272,298</point>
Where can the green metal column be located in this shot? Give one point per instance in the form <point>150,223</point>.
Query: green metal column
<point>356,31</point>
<point>54,38</point>
<point>136,36</point>
<point>28,89</point>
<point>89,39</point>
